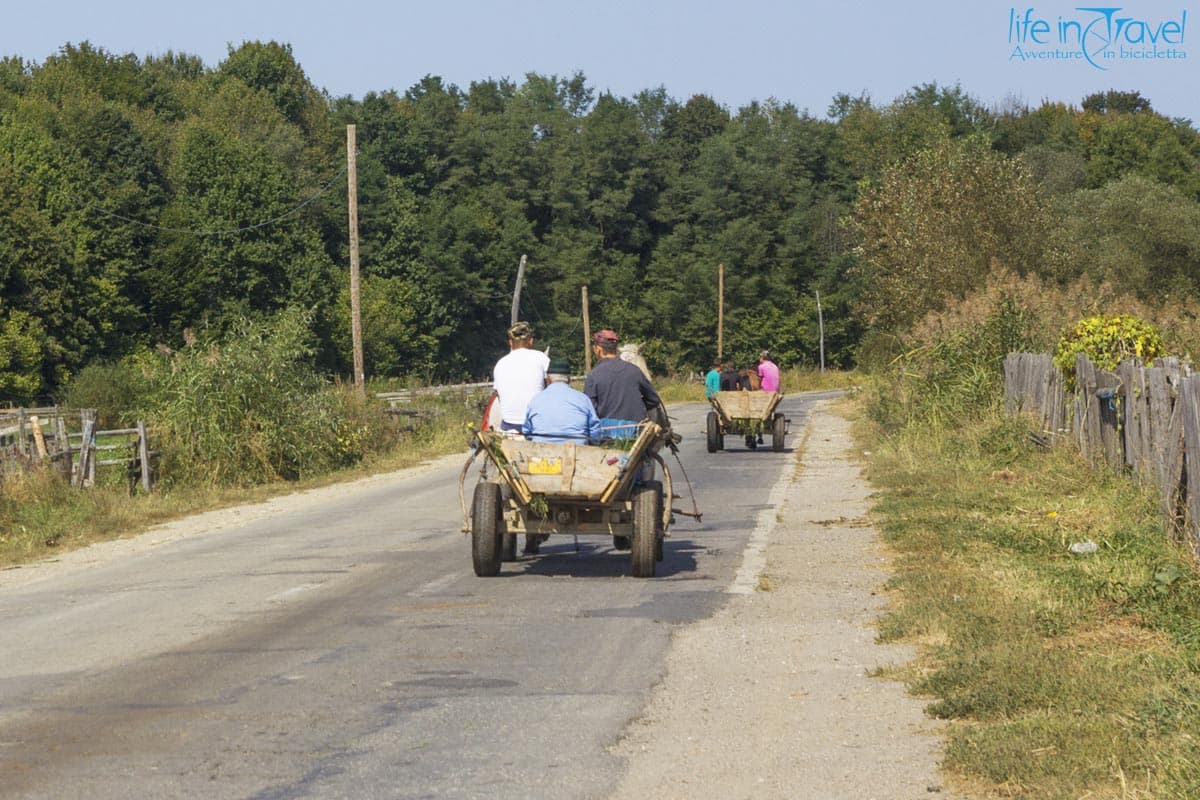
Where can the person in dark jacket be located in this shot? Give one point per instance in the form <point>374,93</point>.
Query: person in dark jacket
<point>620,391</point>
<point>730,378</point>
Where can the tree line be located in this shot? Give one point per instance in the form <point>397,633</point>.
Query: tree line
<point>143,200</point>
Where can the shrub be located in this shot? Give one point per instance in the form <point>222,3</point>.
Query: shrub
<point>1107,341</point>
<point>112,389</point>
<point>250,408</point>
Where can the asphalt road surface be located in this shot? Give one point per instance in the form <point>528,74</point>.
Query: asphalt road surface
<point>337,643</point>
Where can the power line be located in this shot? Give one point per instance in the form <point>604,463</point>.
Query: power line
<point>228,231</point>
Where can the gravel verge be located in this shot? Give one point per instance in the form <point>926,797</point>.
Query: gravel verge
<point>771,697</point>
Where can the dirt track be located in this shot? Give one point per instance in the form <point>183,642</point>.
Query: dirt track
<point>770,697</point>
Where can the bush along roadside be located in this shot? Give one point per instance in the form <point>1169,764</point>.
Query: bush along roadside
<point>236,418</point>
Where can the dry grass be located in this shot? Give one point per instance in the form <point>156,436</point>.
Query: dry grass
<point>1064,676</point>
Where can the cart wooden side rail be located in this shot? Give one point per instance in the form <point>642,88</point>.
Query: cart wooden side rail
<point>748,413</point>
<point>567,470</point>
<point>545,488</point>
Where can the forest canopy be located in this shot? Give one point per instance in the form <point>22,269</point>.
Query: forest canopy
<point>145,198</point>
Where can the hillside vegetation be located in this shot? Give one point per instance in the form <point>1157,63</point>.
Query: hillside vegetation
<point>143,199</point>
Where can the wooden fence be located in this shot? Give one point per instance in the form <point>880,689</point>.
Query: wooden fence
<point>467,392</point>
<point>1140,420</point>
<point>71,443</point>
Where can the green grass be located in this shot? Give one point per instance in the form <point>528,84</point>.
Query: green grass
<point>1063,675</point>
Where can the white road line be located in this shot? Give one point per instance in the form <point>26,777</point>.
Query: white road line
<point>754,557</point>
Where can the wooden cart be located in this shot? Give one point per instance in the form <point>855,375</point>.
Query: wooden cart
<point>745,413</point>
<point>543,489</point>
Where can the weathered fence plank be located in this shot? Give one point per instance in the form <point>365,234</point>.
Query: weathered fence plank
<point>1033,385</point>
<point>1190,412</point>
<point>85,473</point>
<point>1142,419</point>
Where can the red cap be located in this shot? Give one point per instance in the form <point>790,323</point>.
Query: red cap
<point>605,337</point>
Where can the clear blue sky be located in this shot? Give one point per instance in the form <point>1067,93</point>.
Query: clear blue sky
<point>734,51</point>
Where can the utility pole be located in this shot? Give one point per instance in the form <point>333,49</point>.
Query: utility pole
<point>821,329</point>
<point>516,303</point>
<point>587,334</point>
<point>720,312</point>
<point>355,300</point>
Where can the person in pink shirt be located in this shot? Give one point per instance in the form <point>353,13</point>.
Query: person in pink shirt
<point>768,373</point>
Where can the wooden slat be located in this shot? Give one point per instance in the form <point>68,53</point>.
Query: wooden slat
<point>1190,414</point>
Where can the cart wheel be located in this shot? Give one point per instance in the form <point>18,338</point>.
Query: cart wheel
<point>485,529</point>
<point>778,430</point>
<point>647,520</point>
<point>714,432</point>
<point>751,441</point>
<point>620,543</point>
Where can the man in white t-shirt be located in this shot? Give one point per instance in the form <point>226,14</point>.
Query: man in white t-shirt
<point>519,376</point>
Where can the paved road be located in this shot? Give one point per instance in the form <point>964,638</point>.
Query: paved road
<point>337,644</point>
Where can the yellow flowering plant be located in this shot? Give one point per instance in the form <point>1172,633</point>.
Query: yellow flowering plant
<point>1107,341</point>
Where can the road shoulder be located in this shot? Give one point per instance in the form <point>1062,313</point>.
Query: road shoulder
<point>771,696</point>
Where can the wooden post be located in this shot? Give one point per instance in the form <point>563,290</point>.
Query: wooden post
<point>587,334</point>
<point>720,312</point>
<point>22,439</point>
<point>39,441</point>
<point>87,458</point>
<point>516,301</point>
<point>64,446</point>
<point>60,430</point>
<point>144,456</point>
<point>821,329</point>
<point>355,300</point>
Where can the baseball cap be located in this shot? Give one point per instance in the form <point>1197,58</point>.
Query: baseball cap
<point>521,330</point>
<point>604,337</point>
<point>559,366</point>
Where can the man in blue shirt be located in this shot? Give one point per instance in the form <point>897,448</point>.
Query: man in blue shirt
<point>559,413</point>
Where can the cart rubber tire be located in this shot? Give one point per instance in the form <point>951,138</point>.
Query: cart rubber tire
<point>751,441</point>
<point>621,543</point>
<point>660,529</point>
<point>647,520</point>
<point>508,545</point>
<point>486,533</point>
<point>778,431</point>
<point>714,432</point>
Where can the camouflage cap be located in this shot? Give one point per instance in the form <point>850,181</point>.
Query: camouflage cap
<point>521,330</point>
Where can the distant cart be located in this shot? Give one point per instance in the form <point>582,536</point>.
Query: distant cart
<point>745,413</point>
<point>542,489</point>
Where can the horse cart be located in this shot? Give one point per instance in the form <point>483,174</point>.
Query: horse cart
<point>745,413</point>
<point>544,489</point>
